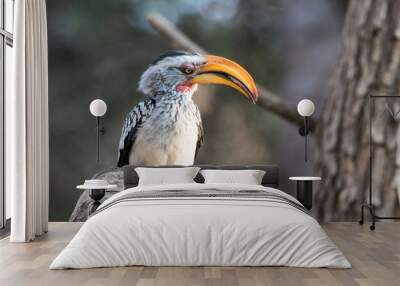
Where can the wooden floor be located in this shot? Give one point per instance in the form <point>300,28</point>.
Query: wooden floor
<point>375,257</point>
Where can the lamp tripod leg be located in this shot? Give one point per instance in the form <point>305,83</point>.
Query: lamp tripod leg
<point>372,210</point>
<point>361,221</point>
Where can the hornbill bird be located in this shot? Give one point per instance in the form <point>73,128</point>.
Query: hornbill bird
<point>165,128</point>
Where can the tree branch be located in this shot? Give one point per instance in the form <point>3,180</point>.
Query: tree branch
<point>266,99</point>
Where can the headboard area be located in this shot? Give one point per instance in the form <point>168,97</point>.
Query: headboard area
<point>271,177</point>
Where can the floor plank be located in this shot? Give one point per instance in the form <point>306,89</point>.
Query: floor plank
<point>375,257</point>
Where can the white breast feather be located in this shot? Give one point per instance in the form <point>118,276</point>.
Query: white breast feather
<point>167,138</point>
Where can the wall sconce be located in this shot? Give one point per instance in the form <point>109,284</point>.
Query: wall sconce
<point>98,108</point>
<point>305,108</point>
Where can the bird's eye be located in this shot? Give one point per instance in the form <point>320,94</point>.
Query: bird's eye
<point>187,70</point>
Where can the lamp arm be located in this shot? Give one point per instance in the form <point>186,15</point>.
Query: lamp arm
<point>98,138</point>
<point>305,136</point>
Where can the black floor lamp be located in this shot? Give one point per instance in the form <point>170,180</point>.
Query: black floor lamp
<point>369,205</point>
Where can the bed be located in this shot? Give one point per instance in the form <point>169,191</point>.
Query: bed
<point>198,224</point>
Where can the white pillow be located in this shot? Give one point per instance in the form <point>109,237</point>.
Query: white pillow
<point>163,176</point>
<point>248,177</point>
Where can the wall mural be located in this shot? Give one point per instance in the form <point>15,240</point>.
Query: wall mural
<point>102,50</point>
<point>166,128</point>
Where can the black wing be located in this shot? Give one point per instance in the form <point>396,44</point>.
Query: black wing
<point>133,120</point>
<point>200,134</point>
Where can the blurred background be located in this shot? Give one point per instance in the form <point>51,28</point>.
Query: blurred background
<point>99,48</point>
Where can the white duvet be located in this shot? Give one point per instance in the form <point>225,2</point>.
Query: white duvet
<point>190,231</point>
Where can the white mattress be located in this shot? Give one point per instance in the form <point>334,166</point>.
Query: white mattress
<point>189,231</point>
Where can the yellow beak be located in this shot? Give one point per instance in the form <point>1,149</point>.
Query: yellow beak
<point>219,70</point>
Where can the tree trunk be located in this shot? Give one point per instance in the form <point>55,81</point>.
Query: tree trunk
<point>369,64</point>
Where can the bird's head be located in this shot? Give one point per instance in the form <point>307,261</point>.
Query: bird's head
<point>179,72</point>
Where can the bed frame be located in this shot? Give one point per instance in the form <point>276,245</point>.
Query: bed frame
<point>271,177</point>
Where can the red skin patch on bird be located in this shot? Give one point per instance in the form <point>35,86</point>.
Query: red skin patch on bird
<point>183,87</point>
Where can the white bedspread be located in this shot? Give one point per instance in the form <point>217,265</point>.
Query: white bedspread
<point>183,231</point>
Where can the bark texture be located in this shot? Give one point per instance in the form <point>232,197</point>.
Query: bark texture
<point>369,64</point>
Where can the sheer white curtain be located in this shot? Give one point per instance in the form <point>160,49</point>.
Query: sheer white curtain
<point>27,144</point>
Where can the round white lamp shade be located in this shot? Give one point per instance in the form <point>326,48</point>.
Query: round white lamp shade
<point>305,107</point>
<point>98,107</point>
